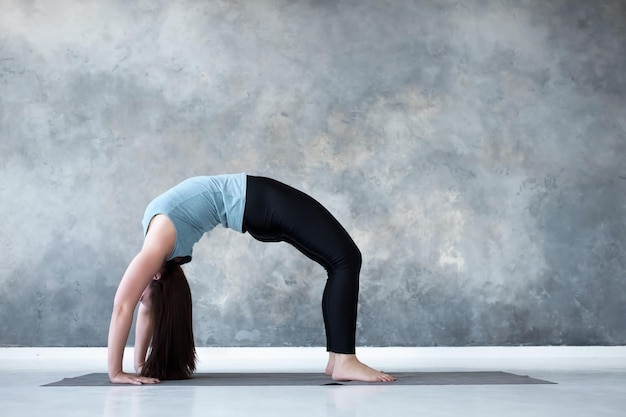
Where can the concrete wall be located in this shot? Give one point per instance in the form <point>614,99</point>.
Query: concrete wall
<point>474,150</point>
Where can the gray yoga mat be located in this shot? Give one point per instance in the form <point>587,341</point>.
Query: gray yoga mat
<point>300,379</point>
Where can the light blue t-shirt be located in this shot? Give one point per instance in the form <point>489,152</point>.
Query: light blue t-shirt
<point>197,205</point>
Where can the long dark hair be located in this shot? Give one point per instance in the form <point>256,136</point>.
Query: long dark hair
<point>172,351</point>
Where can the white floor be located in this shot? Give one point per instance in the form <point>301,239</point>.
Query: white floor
<point>591,382</point>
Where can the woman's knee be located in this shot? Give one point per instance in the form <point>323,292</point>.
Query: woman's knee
<point>353,255</point>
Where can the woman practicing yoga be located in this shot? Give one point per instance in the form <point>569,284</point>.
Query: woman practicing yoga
<point>271,212</point>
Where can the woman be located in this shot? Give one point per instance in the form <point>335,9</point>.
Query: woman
<point>271,212</point>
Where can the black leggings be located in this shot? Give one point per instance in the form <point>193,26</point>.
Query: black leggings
<point>276,212</point>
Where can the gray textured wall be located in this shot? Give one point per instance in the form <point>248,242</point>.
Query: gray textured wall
<point>474,150</point>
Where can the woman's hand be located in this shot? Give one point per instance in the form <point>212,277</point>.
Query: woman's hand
<point>124,378</point>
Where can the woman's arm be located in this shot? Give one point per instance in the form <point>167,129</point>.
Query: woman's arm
<point>135,279</point>
<point>143,335</point>
<point>158,244</point>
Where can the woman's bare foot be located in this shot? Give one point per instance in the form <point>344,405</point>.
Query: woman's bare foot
<point>344,367</point>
